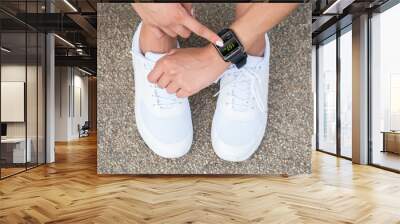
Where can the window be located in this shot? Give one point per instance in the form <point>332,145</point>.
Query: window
<point>346,93</point>
<point>395,101</point>
<point>327,96</point>
<point>385,89</point>
<point>333,137</point>
<point>22,77</point>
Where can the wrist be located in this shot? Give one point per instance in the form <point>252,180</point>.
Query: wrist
<point>214,62</point>
<point>215,58</point>
<point>254,44</point>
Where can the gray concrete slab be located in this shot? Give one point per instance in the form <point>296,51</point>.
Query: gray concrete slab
<point>286,147</point>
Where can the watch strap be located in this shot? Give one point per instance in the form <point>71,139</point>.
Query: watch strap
<point>239,60</point>
<point>223,31</point>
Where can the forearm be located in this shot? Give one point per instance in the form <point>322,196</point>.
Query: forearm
<point>260,18</point>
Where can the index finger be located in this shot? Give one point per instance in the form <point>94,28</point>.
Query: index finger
<point>201,30</point>
<point>155,73</point>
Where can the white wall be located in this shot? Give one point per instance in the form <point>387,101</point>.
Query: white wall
<point>80,89</point>
<point>62,81</point>
<point>13,72</point>
<point>70,83</point>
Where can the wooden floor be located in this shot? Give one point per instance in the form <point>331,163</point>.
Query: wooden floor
<point>5,172</point>
<point>70,191</point>
<point>387,159</point>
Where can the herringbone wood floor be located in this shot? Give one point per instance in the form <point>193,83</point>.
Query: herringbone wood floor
<point>69,191</point>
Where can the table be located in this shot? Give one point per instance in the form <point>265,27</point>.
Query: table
<point>16,147</point>
<point>391,141</point>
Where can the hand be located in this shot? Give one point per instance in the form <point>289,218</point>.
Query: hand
<point>186,71</point>
<point>174,19</point>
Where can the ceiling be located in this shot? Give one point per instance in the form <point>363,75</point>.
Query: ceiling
<point>329,16</point>
<point>74,22</point>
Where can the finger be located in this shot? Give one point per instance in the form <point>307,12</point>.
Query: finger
<point>201,30</point>
<point>182,93</point>
<point>170,32</point>
<point>163,81</point>
<point>172,87</point>
<point>156,73</point>
<point>189,8</point>
<point>182,31</point>
<point>156,31</point>
<point>172,51</point>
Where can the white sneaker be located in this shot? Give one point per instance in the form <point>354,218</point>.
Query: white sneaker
<point>240,118</point>
<point>163,120</point>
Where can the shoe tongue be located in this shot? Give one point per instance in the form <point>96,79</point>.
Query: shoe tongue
<point>153,56</point>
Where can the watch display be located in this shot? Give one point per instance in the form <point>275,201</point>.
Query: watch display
<point>229,47</point>
<point>233,50</point>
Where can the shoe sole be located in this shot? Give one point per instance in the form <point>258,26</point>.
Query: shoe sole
<point>221,153</point>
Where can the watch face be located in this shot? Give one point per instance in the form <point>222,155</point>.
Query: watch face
<point>231,45</point>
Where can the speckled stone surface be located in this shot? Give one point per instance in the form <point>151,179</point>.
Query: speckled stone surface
<point>286,147</point>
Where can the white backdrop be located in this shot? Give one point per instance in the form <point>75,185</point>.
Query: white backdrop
<point>12,101</point>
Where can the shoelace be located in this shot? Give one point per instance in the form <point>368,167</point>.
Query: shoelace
<point>246,88</point>
<point>163,99</point>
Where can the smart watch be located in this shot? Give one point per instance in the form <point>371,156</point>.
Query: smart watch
<point>232,51</point>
